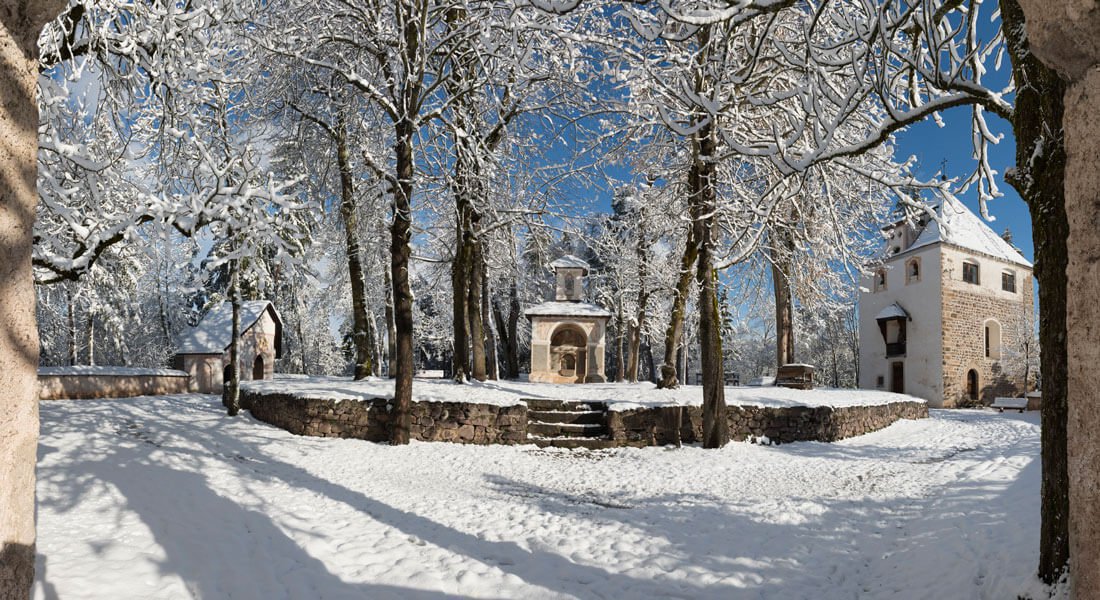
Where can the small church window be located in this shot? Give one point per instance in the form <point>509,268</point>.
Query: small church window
<point>1008,281</point>
<point>880,280</point>
<point>970,273</point>
<point>912,271</point>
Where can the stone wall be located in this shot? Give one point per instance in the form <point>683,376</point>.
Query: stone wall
<point>370,419</point>
<point>669,425</point>
<point>71,387</point>
<point>966,309</point>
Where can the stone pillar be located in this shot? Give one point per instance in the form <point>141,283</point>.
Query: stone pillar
<point>1066,36</point>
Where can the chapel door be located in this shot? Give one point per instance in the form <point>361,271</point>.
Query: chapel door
<point>897,378</point>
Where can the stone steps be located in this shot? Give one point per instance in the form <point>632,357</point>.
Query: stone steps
<point>565,430</point>
<point>567,424</point>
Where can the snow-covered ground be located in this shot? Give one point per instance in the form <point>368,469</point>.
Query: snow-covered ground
<point>165,497</point>
<point>619,396</point>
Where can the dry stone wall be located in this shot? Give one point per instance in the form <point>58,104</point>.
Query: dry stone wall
<point>371,419</point>
<point>669,425</point>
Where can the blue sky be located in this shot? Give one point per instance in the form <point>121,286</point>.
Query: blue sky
<point>932,144</point>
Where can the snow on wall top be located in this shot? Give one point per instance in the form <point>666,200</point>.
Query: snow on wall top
<point>108,371</point>
<point>618,396</point>
<point>957,226</point>
<point>566,309</point>
<point>894,311</point>
<point>214,333</point>
<point>569,262</point>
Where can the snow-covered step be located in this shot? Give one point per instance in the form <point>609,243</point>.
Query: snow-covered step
<point>535,428</point>
<point>566,416</point>
<point>541,404</point>
<point>599,443</point>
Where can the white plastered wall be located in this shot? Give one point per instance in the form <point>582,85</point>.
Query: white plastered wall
<point>923,358</point>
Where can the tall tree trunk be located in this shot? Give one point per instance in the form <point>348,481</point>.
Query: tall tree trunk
<point>642,253</point>
<point>784,309</point>
<point>473,310</point>
<point>491,364</point>
<point>703,203</point>
<point>460,269</point>
<point>651,366</point>
<point>233,400</point>
<point>360,327</point>
<point>1082,205</point>
<point>1039,177</point>
<point>513,330</point>
<point>400,253</point>
<point>301,334</point>
<point>391,325</point>
<point>620,341</point>
<point>91,337</point>
<point>19,28</point>
<point>71,322</point>
<point>676,319</point>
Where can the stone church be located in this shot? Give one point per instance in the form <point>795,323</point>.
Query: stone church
<point>947,316</point>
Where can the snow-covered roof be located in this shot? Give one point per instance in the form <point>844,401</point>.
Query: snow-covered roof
<point>214,333</point>
<point>566,309</point>
<point>569,262</point>
<point>958,226</point>
<point>894,311</point>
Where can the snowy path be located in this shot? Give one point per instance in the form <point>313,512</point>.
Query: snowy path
<point>166,498</point>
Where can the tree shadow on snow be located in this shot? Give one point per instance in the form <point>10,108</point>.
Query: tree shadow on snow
<point>219,548</point>
<point>841,551</point>
<point>150,458</point>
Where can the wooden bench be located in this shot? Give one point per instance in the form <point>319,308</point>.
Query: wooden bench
<point>1001,404</point>
<point>797,376</point>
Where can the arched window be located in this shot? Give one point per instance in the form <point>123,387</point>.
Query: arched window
<point>912,271</point>
<point>880,280</point>
<point>568,365</point>
<point>972,384</point>
<point>227,373</point>
<point>258,368</point>
<point>992,339</point>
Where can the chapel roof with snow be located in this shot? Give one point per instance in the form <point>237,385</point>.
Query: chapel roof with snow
<point>956,225</point>
<point>567,309</point>
<point>569,262</point>
<point>214,332</point>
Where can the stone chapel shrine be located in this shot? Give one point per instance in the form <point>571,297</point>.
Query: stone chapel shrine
<point>567,334</point>
<point>203,350</point>
<point>946,317</point>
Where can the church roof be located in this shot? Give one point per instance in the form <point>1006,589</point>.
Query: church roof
<point>567,309</point>
<point>957,225</point>
<point>569,262</point>
<point>215,332</point>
